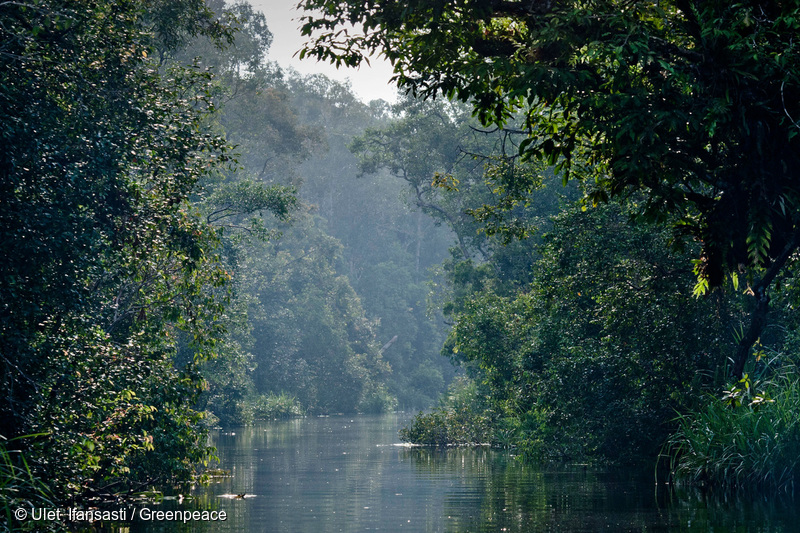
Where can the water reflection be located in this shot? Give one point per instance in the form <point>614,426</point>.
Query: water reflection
<point>348,474</point>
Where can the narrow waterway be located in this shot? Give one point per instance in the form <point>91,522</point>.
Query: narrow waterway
<point>351,474</point>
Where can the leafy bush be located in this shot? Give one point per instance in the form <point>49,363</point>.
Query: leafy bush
<point>375,398</point>
<point>459,420</point>
<point>590,360</point>
<point>272,406</point>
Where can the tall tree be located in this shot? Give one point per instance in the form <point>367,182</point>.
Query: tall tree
<point>424,140</point>
<point>105,264</point>
<point>246,202</point>
<point>389,245</point>
<point>693,104</point>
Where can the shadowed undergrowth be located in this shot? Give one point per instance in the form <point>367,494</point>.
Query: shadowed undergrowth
<point>748,438</point>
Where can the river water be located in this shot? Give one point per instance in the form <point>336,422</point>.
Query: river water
<point>350,474</point>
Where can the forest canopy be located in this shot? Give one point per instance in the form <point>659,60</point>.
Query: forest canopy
<point>179,250</point>
<point>589,208</point>
<point>677,123</point>
<point>688,109</point>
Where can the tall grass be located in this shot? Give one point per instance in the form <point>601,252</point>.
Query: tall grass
<point>750,437</point>
<point>19,488</point>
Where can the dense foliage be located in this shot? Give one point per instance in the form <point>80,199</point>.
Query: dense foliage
<point>599,351</point>
<point>748,438</point>
<point>388,243</point>
<point>316,293</point>
<point>682,117</point>
<point>105,262</point>
<point>693,105</point>
<point>189,232</point>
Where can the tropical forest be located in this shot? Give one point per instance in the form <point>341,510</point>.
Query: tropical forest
<point>569,242</point>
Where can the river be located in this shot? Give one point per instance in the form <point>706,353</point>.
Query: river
<point>351,474</point>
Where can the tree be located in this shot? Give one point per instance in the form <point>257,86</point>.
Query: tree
<point>312,338</point>
<point>244,203</point>
<point>256,112</point>
<point>389,245</point>
<point>428,139</point>
<point>106,264</point>
<point>590,358</point>
<point>693,105</point>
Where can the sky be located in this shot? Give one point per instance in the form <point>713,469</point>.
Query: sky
<point>368,82</point>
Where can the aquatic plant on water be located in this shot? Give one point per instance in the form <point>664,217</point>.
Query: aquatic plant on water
<point>460,419</point>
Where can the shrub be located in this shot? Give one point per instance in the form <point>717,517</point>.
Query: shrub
<point>375,398</point>
<point>460,419</point>
<point>273,406</point>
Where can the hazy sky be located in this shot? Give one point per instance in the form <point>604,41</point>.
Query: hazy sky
<point>368,82</point>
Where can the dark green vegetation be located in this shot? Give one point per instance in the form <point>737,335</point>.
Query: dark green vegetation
<point>106,264</point>
<point>187,240</point>
<point>677,124</point>
<point>190,235</point>
<point>748,438</point>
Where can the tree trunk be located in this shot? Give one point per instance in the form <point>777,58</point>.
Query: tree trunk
<point>758,321</point>
<point>419,238</point>
<point>758,317</point>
